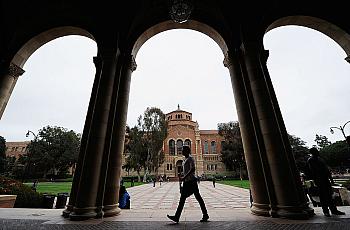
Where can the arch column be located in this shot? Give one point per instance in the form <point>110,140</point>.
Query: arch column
<point>291,202</point>
<point>112,185</point>
<point>7,84</point>
<point>263,197</point>
<point>86,132</point>
<point>85,202</point>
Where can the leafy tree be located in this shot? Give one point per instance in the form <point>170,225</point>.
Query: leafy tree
<point>54,151</point>
<point>300,153</point>
<point>146,141</point>
<point>336,155</point>
<point>322,141</point>
<point>3,161</point>
<point>232,154</point>
<point>136,151</point>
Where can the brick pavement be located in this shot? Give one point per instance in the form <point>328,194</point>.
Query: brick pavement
<point>167,196</point>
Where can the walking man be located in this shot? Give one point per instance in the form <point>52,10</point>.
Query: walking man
<point>190,186</point>
<point>323,179</point>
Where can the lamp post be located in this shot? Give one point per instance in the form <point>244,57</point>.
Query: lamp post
<point>341,128</point>
<point>27,164</point>
<point>30,132</point>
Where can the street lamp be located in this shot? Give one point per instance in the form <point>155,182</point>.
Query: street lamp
<point>341,128</point>
<point>27,134</point>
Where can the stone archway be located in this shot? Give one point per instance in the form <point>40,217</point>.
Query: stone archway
<point>15,70</point>
<point>237,27</point>
<point>333,31</point>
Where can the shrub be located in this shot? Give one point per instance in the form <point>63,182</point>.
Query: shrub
<point>26,197</point>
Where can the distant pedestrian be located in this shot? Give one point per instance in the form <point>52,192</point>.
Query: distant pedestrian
<point>160,180</point>
<point>124,198</point>
<point>154,182</point>
<point>250,198</point>
<point>323,180</point>
<point>214,180</point>
<point>190,186</point>
<point>35,185</point>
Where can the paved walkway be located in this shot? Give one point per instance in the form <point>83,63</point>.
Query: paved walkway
<point>167,196</point>
<point>228,208</point>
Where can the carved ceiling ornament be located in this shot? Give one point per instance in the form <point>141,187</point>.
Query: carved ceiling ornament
<point>180,10</point>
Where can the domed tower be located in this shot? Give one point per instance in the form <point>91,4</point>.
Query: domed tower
<point>181,131</point>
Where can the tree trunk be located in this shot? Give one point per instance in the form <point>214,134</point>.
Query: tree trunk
<point>138,176</point>
<point>145,174</point>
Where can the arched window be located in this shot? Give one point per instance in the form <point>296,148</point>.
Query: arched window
<point>171,147</point>
<point>213,147</point>
<point>206,147</point>
<point>188,143</point>
<point>179,145</point>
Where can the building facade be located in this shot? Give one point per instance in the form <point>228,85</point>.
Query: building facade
<point>16,148</point>
<point>205,146</point>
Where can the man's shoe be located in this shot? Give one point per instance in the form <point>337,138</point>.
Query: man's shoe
<point>326,214</point>
<point>173,218</point>
<point>338,213</point>
<point>205,218</point>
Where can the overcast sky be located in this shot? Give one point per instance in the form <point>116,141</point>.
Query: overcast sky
<point>308,70</point>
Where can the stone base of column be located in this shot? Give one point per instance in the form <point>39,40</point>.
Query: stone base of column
<point>295,212</point>
<point>67,211</point>
<point>83,213</point>
<point>261,209</point>
<point>111,210</point>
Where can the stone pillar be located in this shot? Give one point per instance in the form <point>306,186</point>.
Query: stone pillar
<point>85,201</point>
<point>290,203</point>
<point>84,138</point>
<point>7,84</point>
<point>250,132</point>
<point>284,135</point>
<point>111,193</point>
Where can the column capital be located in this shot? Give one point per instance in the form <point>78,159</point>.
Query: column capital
<point>132,63</point>
<point>231,57</point>
<point>97,61</point>
<point>227,60</point>
<point>264,55</point>
<point>14,70</point>
<point>347,59</point>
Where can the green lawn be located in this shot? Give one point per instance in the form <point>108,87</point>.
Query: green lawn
<point>58,187</point>
<point>237,183</point>
<point>52,187</point>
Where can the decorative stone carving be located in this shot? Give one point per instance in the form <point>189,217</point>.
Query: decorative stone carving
<point>180,10</point>
<point>227,60</point>
<point>15,71</point>
<point>133,64</point>
<point>347,59</point>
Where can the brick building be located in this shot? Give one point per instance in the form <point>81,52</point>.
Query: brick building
<point>205,146</point>
<point>16,148</point>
